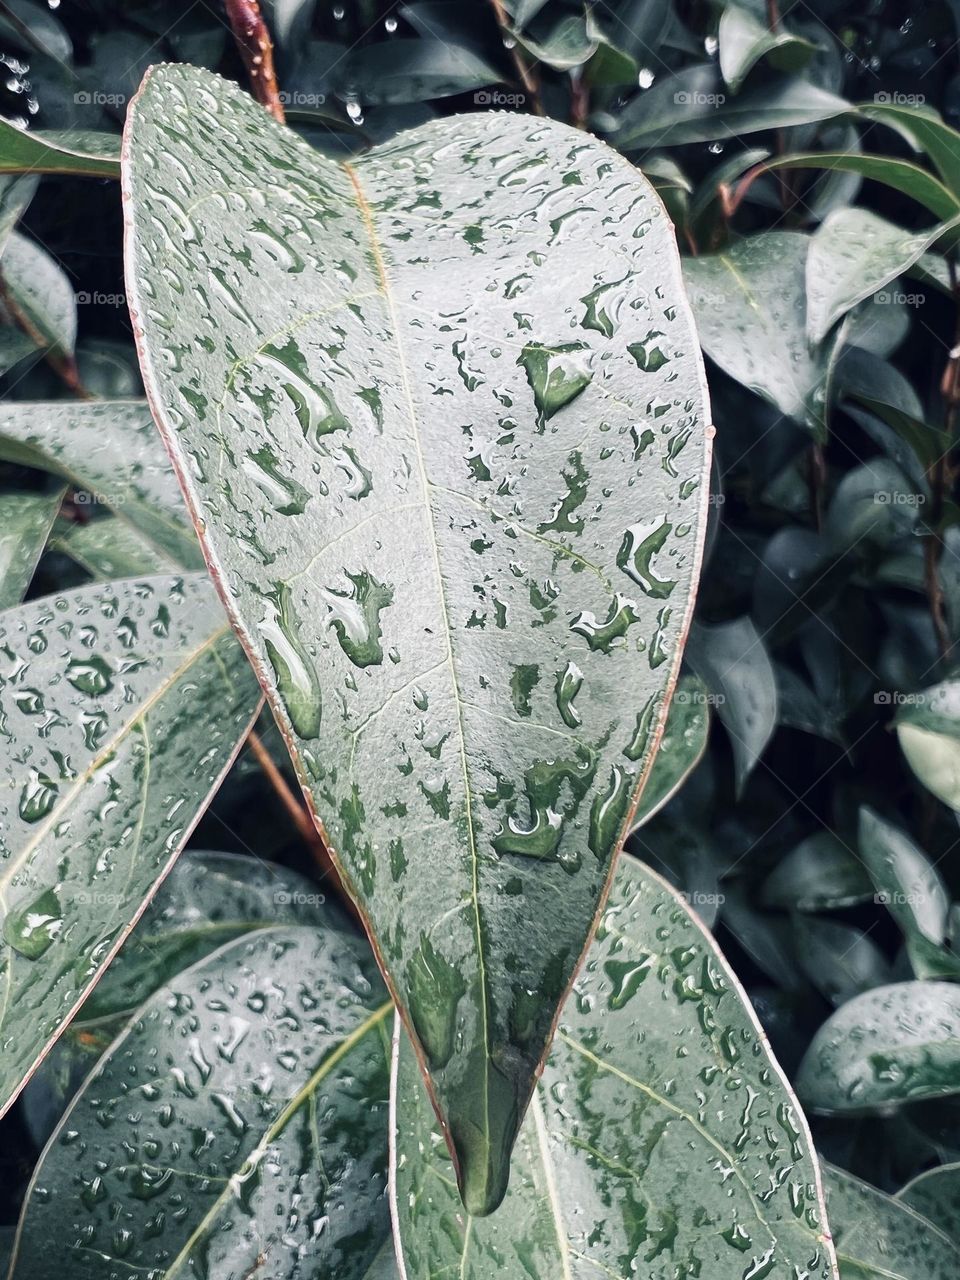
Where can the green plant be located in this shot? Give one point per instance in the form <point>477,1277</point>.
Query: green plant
<point>429,381</point>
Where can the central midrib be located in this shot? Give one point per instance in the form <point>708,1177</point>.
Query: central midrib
<point>366,214</point>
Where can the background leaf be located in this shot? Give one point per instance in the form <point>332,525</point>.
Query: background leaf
<point>121,708</point>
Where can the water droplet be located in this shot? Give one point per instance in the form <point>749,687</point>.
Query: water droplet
<point>569,682</point>
<point>297,681</point>
<point>641,542</point>
<point>355,616</point>
<point>32,930</point>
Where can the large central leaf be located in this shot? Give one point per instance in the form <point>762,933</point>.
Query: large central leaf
<point>440,420</point>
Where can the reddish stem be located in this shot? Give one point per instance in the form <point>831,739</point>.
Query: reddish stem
<point>256,48</point>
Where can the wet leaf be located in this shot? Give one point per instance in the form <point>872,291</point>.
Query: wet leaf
<point>25,523</point>
<point>926,132</point>
<point>110,548</point>
<point>114,457</point>
<point>928,727</point>
<point>936,1195</point>
<point>901,175</point>
<point>70,152</point>
<point>744,40</point>
<point>121,707</point>
<point>681,748</point>
<point>42,291</point>
<point>207,900</point>
<point>750,307</point>
<point>242,1114</point>
<point>732,661</point>
<point>911,889</point>
<point>704,114</point>
<point>853,254</point>
<point>658,1034</point>
<point>895,1044</point>
<point>878,1238</point>
<point>458,529</point>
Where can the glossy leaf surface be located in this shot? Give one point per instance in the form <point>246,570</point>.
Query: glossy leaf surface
<point>457,527</point>
<point>663,1139</point>
<point>25,523</point>
<point>879,1238</point>
<point>936,1194</point>
<point>929,732</point>
<point>242,1115</point>
<point>112,453</point>
<point>121,706</point>
<point>69,151</point>
<point>895,1044</point>
<point>681,747</point>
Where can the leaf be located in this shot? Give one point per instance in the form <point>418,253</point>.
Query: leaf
<point>207,900</point>
<point>744,40</point>
<point>732,662</point>
<point>494,641</point>
<point>122,706</point>
<point>750,307</point>
<point>68,152</point>
<point>928,729</point>
<point>911,889</point>
<point>936,1195</point>
<point>925,131</point>
<point>681,748</point>
<point>25,523</point>
<point>42,291</point>
<point>820,874</point>
<point>109,548</point>
<point>895,1044</point>
<point>241,1115</point>
<point>926,442</point>
<point>839,959</point>
<point>112,453</point>
<point>878,1238</point>
<point>398,71</point>
<point>567,45</point>
<point>662,1040</point>
<point>873,504</point>
<point>707,114</point>
<point>853,254</point>
<point>901,175</point>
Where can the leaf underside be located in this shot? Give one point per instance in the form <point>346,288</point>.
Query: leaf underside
<point>353,369</point>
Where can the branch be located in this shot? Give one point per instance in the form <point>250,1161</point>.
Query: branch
<point>526,76</point>
<point>256,48</point>
<point>64,366</point>
<point>301,819</point>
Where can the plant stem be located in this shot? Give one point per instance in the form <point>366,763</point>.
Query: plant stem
<point>64,366</point>
<point>524,73</point>
<point>301,819</point>
<point>938,478</point>
<point>256,48</point>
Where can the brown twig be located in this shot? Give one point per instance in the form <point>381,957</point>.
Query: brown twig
<point>524,73</point>
<point>63,365</point>
<point>256,48</point>
<point>302,820</point>
<point>939,476</point>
